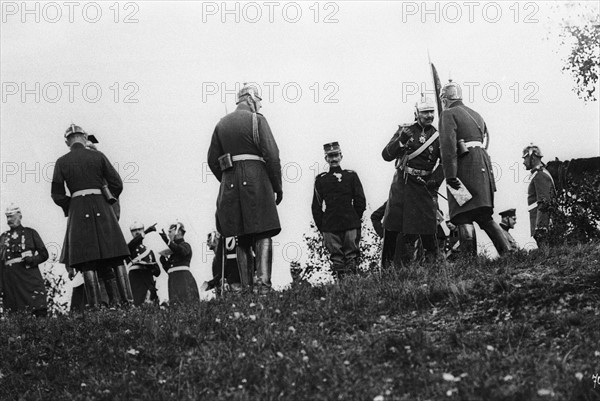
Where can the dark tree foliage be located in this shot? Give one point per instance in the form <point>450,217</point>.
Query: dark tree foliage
<point>575,212</point>
<point>580,33</point>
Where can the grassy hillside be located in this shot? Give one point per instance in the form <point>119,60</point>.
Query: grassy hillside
<point>525,327</point>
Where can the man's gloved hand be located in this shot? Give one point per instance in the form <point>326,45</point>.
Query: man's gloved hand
<point>28,260</point>
<point>432,185</point>
<point>150,229</point>
<point>164,236</point>
<point>453,182</point>
<point>405,136</point>
<point>278,197</point>
<point>163,260</point>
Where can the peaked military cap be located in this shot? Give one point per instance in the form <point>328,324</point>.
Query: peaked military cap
<point>12,209</point>
<point>136,225</point>
<point>425,105</point>
<point>178,226</point>
<point>332,147</point>
<point>508,213</point>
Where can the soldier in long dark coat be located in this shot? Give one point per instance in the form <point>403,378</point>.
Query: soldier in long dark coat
<point>341,194</point>
<point>21,252</point>
<point>94,243</point>
<point>388,247</point>
<point>244,157</point>
<point>143,267</point>
<point>412,204</point>
<point>182,284</point>
<point>464,127</point>
<point>540,190</point>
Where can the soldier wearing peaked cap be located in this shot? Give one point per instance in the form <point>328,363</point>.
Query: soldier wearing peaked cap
<point>176,262</point>
<point>21,252</point>
<point>540,191</point>
<point>509,219</point>
<point>94,243</point>
<point>337,208</point>
<point>244,157</point>
<point>412,202</point>
<point>467,163</point>
<point>143,267</point>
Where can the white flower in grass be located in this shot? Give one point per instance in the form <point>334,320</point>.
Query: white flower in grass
<point>545,391</point>
<point>379,398</point>
<point>449,377</point>
<point>579,376</point>
<point>280,354</point>
<point>133,351</point>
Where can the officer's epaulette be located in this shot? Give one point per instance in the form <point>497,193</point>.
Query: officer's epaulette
<point>406,125</point>
<point>350,171</point>
<point>321,175</point>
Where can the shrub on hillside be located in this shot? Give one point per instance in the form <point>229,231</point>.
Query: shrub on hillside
<point>575,212</point>
<point>317,266</point>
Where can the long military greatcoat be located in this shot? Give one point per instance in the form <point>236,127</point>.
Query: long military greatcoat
<point>474,169</point>
<point>23,284</point>
<point>246,201</point>
<point>411,208</point>
<point>93,232</point>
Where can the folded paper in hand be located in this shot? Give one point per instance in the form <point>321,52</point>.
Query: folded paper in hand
<point>462,194</point>
<point>166,252</point>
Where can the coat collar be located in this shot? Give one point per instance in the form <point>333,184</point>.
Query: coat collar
<point>457,103</point>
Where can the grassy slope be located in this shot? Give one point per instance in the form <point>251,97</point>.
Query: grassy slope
<point>512,329</point>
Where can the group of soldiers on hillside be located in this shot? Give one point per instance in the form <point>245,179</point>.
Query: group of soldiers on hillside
<point>244,157</point>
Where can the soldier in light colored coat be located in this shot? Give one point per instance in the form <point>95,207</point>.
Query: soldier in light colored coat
<point>540,191</point>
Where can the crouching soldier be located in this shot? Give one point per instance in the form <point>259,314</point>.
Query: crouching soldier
<point>143,267</point>
<point>176,262</point>
<point>224,263</point>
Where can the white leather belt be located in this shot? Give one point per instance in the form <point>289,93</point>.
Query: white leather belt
<point>239,158</point>
<point>13,261</point>
<point>416,172</point>
<point>178,269</point>
<point>532,206</point>
<point>84,192</point>
<point>474,144</point>
<point>232,256</point>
